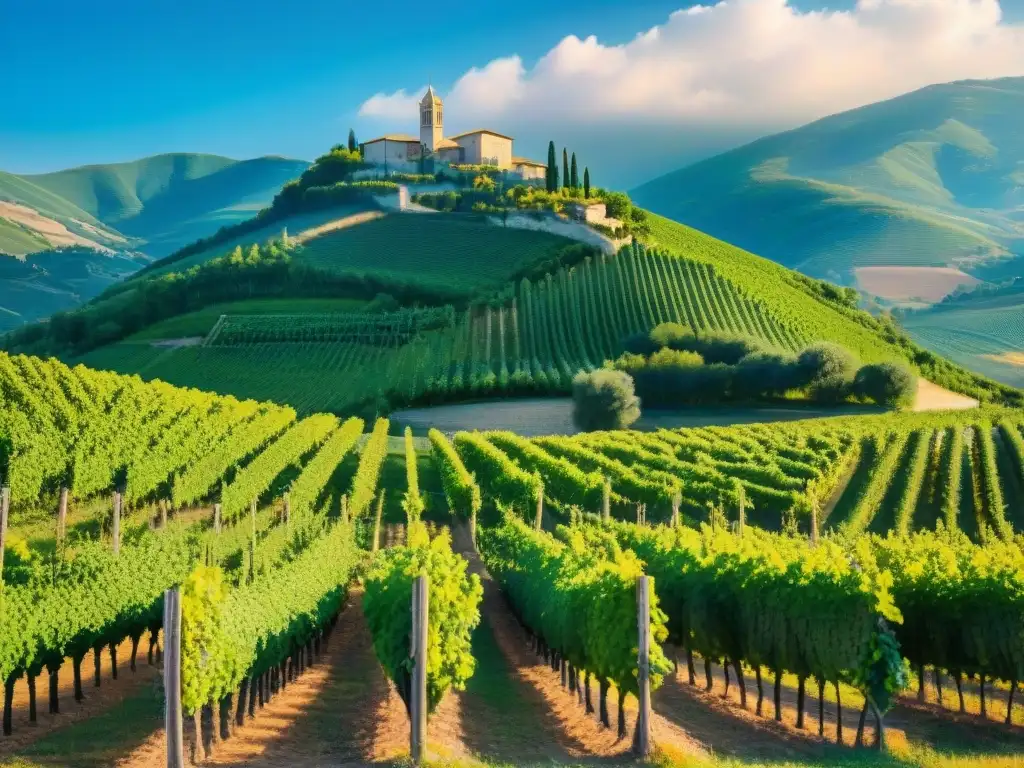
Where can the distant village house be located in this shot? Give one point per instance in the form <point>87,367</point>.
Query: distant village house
<point>431,151</point>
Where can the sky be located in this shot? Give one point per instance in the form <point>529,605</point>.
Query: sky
<point>637,88</point>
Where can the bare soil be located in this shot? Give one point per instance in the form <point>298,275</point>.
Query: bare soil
<point>932,397</point>
<point>111,693</point>
<point>333,226</point>
<point>929,284</point>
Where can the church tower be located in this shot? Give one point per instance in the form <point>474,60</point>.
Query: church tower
<point>431,120</point>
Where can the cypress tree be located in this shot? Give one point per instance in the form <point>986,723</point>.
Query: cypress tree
<point>586,183</point>
<point>352,140</point>
<point>552,175</point>
<point>574,174</point>
<point>565,168</point>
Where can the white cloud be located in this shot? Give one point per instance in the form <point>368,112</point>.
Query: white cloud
<point>740,62</point>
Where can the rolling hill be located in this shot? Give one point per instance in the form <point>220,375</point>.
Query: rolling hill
<point>929,179</point>
<point>78,231</point>
<point>226,330</point>
<point>982,330</point>
<point>167,201</point>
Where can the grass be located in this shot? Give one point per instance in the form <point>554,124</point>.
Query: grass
<point>200,323</point>
<point>17,241</point>
<point>294,224</point>
<point>99,741</point>
<point>442,249</point>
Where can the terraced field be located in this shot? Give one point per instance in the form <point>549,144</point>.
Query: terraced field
<point>983,335</point>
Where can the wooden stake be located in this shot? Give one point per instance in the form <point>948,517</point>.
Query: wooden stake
<point>164,506</point>
<point>418,699</point>
<point>677,500</point>
<point>538,522</point>
<point>62,514</point>
<point>116,532</point>
<point>5,508</point>
<point>376,522</point>
<point>606,501</point>
<point>642,742</point>
<point>172,678</point>
<point>216,519</point>
<point>287,510</point>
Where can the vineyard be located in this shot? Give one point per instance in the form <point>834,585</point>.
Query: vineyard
<point>862,555</point>
<point>547,331</point>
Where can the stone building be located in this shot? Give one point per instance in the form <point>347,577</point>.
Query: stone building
<point>407,154</point>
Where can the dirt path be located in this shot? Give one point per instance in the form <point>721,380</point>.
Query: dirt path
<point>341,712</point>
<point>932,397</point>
<point>729,729</point>
<point>536,718</point>
<point>110,694</point>
<point>333,226</point>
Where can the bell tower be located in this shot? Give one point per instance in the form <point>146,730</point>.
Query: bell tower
<point>431,120</point>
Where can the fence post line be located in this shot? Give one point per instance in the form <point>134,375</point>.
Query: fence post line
<point>643,617</point>
<point>538,522</point>
<point>62,513</point>
<point>116,532</point>
<point>5,509</point>
<point>172,678</point>
<point>418,698</point>
<point>606,500</point>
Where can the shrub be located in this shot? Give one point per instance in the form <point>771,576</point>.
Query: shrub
<point>674,335</point>
<point>825,366</point>
<point>671,358</point>
<point>766,373</point>
<point>604,399</point>
<point>889,384</point>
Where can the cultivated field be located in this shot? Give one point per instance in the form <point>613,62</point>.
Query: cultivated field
<point>270,524</point>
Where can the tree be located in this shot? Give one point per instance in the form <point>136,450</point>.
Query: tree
<point>604,399</point>
<point>889,384</point>
<point>552,174</point>
<point>352,143</point>
<point>574,174</point>
<point>586,183</point>
<point>565,167</point>
<point>827,371</point>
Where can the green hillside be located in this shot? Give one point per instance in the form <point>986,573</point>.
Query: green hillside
<point>531,336</point>
<point>930,178</point>
<point>983,331</point>
<point>170,200</point>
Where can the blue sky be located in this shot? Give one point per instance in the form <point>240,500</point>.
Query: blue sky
<point>120,79</point>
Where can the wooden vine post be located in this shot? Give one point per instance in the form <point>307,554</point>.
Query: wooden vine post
<point>62,514</point>
<point>216,518</point>
<point>287,509</point>
<point>116,528</point>
<point>642,742</point>
<point>5,509</point>
<point>376,522</point>
<point>172,678</point>
<point>538,522</point>
<point>252,542</point>
<point>814,519</point>
<point>344,508</point>
<point>677,500</point>
<point>606,500</point>
<point>164,503</point>
<point>418,697</point>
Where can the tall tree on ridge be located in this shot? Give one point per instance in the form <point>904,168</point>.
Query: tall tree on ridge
<point>574,177</point>
<point>565,168</point>
<point>352,145</point>
<point>552,175</point>
<point>586,183</point>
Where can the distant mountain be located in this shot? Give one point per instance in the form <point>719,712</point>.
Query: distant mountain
<point>77,231</point>
<point>934,178</point>
<point>167,201</point>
